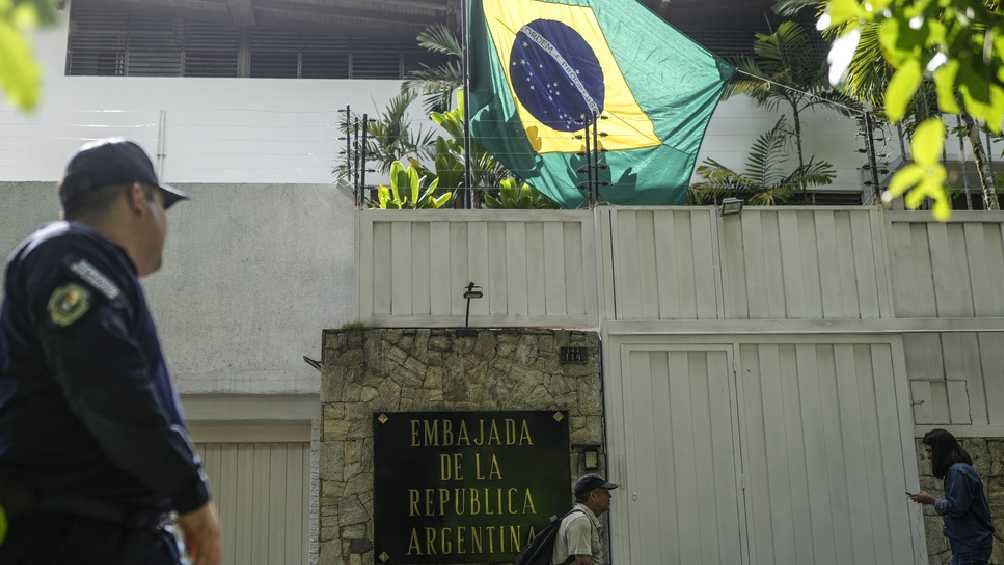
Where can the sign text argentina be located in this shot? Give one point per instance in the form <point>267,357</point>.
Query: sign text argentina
<point>455,487</point>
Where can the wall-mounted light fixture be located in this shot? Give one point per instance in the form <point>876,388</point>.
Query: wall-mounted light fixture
<point>730,207</point>
<point>471,292</point>
<point>590,455</point>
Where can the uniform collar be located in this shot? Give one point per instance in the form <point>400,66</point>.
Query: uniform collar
<point>77,226</point>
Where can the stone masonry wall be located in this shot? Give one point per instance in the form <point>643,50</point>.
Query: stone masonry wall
<point>988,459</point>
<point>370,370</point>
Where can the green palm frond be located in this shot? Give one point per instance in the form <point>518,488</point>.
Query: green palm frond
<point>441,39</point>
<point>840,102</point>
<point>785,43</point>
<point>743,83</point>
<point>767,154</point>
<point>814,173</point>
<point>762,182</point>
<point>438,84</point>
<point>793,57</point>
<point>771,196</point>
<point>794,7</point>
<point>392,138</point>
<point>868,74</point>
<point>719,181</point>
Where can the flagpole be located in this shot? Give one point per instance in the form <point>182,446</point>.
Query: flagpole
<point>468,194</point>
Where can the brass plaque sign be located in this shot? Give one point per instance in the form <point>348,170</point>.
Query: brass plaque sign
<point>455,487</point>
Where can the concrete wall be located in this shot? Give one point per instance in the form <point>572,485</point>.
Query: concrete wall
<point>252,274</point>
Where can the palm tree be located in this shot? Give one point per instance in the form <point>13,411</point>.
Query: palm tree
<point>391,137</point>
<point>764,181</point>
<point>789,57</point>
<point>438,84</point>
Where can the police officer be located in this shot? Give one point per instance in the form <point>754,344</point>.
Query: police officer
<point>94,454</point>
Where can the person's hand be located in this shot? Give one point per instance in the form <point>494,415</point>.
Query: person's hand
<point>201,529</point>
<point>922,498</point>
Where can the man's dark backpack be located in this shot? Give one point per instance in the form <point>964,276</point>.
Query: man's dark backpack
<point>540,550</point>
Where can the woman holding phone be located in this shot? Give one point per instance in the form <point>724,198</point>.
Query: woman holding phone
<point>964,506</point>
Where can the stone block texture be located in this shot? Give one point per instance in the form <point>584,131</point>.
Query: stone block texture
<point>988,460</point>
<point>414,370</point>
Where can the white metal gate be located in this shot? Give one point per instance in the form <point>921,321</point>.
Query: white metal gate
<point>795,451</point>
<point>683,502</point>
<point>261,492</point>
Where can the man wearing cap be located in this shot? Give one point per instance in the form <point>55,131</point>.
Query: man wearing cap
<point>94,454</point>
<point>578,541</point>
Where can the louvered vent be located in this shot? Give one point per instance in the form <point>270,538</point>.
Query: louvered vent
<point>211,50</point>
<point>120,42</point>
<point>97,43</point>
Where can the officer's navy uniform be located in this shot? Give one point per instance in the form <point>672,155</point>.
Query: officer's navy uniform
<point>89,420</point>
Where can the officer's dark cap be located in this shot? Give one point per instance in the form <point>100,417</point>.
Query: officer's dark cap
<point>111,161</point>
<point>591,481</point>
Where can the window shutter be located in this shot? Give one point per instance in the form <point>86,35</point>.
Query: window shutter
<point>121,42</point>
<point>325,56</point>
<point>377,60</point>
<point>211,50</point>
<point>274,54</point>
<point>97,43</point>
<point>154,46</point>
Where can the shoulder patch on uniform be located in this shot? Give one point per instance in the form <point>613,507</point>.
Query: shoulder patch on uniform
<point>83,269</point>
<point>68,303</point>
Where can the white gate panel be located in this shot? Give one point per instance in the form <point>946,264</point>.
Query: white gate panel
<point>824,457</point>
<point>683,504</point>
<point>261,493</point>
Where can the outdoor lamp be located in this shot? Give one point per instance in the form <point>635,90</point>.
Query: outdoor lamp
<point>590,455</point>
<point>471,291</point>
<point>731,206</point>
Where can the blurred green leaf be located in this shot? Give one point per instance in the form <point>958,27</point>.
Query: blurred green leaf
<point>844,11</point>
<point>20,73</point>
<point>926,178</point>
<point>944,81</point>
<point>901,89</point>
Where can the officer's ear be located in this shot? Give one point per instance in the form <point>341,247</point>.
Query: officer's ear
<point>136,198</point>
<point>139,197</point>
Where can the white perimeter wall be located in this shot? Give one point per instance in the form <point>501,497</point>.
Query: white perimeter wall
<point>252,274</point>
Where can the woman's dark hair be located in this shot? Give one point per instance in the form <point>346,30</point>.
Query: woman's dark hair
<point>945,451</point>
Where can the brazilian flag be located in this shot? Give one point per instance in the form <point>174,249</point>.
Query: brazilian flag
<point>541,69</point>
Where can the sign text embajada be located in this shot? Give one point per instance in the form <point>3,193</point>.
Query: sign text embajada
<point>453,487</point>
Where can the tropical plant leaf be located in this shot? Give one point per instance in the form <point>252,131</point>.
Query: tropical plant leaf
<point>20,73</point>
<point>925,177</point>
<point>441,39</point>
<point>794,7</point>
<point>437,84</point>
<point>814,173</point>
<point>901,89</point>
<point>767,154</point>
<point>763,182</point>
<point>406,189</point>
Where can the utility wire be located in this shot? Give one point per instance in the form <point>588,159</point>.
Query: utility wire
<point>793,89</point>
